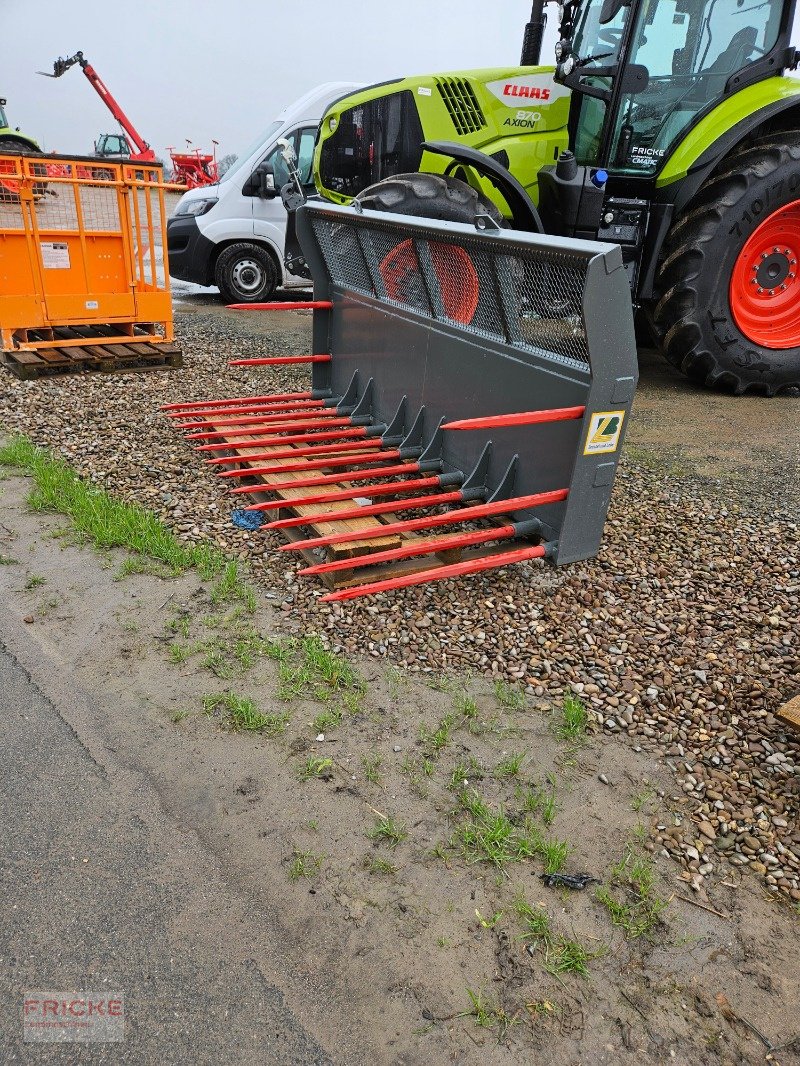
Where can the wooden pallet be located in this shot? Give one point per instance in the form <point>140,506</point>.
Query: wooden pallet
<point>86,350</point>
<point>342,578</point>
<point>789,714</point>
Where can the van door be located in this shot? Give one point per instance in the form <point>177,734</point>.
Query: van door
<point>269,215</point>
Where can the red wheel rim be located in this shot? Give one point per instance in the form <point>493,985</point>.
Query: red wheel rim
<point>458,279</point>
<point>765,284</point>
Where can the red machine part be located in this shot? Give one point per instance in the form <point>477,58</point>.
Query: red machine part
<point>144,153</point>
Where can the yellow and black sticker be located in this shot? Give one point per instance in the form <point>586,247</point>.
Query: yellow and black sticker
<point>605,428</point>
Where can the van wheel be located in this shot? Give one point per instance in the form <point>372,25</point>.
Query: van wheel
<point>245,273</point>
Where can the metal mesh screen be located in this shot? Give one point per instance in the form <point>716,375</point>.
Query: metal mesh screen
<point>531,298</point>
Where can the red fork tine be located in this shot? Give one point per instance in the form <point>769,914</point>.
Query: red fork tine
<point>423,547</point>
<point>277,360</point>
<point>194,404</point>
<point>357,459</point>
<point>440,573</point>
<point>330,479</point>
<point>287,305</point>
<point>295,453</point>
<point>369,510</point>
<point>521,418</point>
<point>389,489</point>
<point>248,408</point>
<point>264,419</point>
<point>299,438</point>
<point>461,514</point>
<point>277,427</point>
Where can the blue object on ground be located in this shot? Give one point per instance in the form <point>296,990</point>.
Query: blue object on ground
<point>248,519</point>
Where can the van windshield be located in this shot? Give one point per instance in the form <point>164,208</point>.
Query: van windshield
<point>263,139</point>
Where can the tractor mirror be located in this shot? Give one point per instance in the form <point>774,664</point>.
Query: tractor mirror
<point>635,78</point>
<point>610,10</point>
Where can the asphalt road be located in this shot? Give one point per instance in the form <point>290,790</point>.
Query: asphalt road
<point>102,893</point>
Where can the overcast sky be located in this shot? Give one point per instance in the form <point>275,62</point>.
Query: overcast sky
<point>196,69</point>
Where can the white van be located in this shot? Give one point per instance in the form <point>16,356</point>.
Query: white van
<point>232,234</point>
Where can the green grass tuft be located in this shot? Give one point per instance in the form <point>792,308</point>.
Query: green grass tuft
<point>315,766</point>
<point>574,719</point>
<point>242,714</point>
<point>106,522</point>
<point>371,765</point>
<point>304,864</point>
<point>510,696</point>
<point>389,831</point>
<point>639,910</point>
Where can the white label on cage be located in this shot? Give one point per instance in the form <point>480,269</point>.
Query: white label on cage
<point>55,255</point>
<point>92,305</point>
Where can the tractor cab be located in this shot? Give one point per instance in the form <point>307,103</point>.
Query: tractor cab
<point>112,146</point>
<point>644,71</point>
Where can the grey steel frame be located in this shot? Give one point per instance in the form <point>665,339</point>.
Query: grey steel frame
<point>411,369</point>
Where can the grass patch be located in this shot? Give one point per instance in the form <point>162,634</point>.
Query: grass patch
<point>573,720</point>
<point>35,581</point>
<point>642,797</point>
<point>179,716</point>
<point>308,670</point>
<point>315,766</point>
<point>6,560</point>
<point>371,766</point>
<point>304,864</point>
<point>435,740</point>
<point>388,831</point>
<point>464,771</point>
<point>181,653</point>
<point>376,865</point>
<point>510,696</point>
<point>242,715</point>
<point>510,766</point>
<point>490,836</point>
<point>327,720</point>
<point>106,522</point>
<point>561,954</point>
<point>486,1014</point>
<point>630,895</point>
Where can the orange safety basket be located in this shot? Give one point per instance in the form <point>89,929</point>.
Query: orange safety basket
<point>82,253</point>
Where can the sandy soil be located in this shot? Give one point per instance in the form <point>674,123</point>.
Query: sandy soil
<point>389,956</point>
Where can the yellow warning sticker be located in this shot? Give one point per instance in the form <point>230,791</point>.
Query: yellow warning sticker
<point>605,428</point>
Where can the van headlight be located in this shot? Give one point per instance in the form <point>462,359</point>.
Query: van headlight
<point>196,207</point>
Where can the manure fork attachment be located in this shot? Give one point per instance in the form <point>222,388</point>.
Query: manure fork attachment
<point>476,381</point>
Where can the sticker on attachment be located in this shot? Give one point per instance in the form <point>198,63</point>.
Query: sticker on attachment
<point>604,432</point>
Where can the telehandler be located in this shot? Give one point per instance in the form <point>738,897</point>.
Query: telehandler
<point>668,127</point>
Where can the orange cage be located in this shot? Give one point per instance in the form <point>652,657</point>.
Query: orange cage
<point>82,255</point>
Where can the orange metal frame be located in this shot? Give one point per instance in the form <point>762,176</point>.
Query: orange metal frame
<point>64,264</point>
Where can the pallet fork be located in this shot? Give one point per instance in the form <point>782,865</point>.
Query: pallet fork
<point>475,380</point>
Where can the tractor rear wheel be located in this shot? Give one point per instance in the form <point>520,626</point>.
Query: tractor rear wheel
<point>429,196</point>
<point>729,315</point>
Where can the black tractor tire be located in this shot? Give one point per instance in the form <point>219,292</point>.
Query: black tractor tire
<point>693,318</point>
<point>245,273</point>
<point>429,196</point>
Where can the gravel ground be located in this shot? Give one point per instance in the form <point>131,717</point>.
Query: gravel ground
<point>682,633</point>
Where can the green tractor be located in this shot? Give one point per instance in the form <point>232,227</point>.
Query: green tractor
<point>11,140</point>
<point>666,126</point>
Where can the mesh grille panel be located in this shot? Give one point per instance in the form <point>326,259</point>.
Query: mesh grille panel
<point>343,256</point>
<point>531,298</point>
<point>462,104</point>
